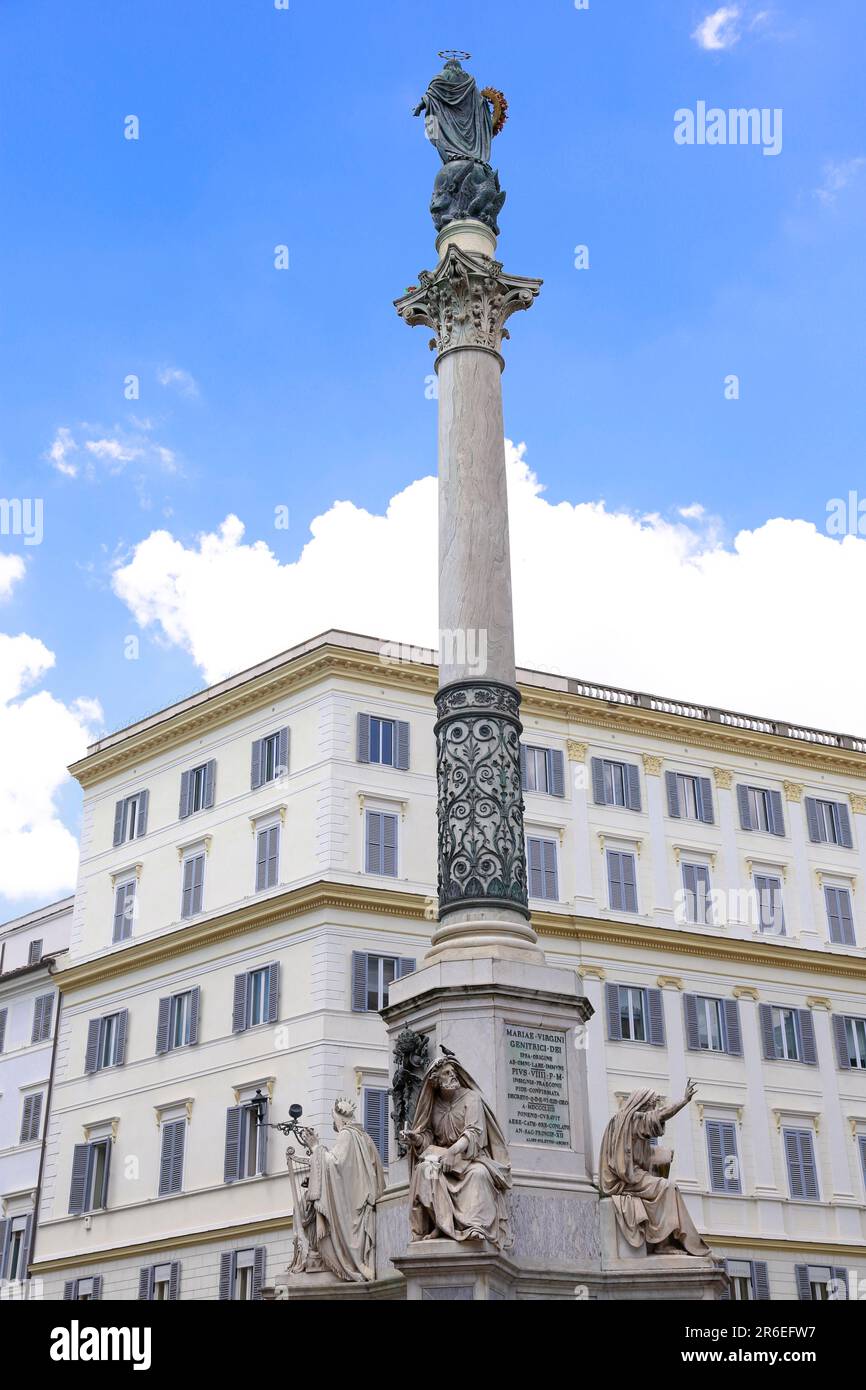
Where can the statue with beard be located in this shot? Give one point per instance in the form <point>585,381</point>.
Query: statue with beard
<point>459,1161</point>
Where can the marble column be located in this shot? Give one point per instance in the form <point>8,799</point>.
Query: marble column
<point>483,904</point>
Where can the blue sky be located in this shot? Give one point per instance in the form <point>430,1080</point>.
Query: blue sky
<point>261,127</point>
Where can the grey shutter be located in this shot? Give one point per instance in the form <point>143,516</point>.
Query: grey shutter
<point>186,907</point>
<point>807,1037</point>
<point>843,1056</point>
<point>197,883</point>
<point>401,731</point>
<point>690,1009</point>
<point>194,1013</point>
<point>273,992</point>
<point>256,770</point>
<point>96,1288</point>
<point>363,738</point>
<point>765,1014</point>
<point>178,1147</point>
<point>283,753</point>
<point>100,1199</point>
<point>760,1281</point>
<point>5,1236</point>
<point>374,842</point>
<point>633,784</point>
<point>209,783</point>
<point>555,772</point>
<point>523,777</point>
<point>118,822</point>
<point>846,839</point>
<point>3,1016</point>
<point>145,1284</point>
<point>810,1168</point>
<point>143,806</point>
<point>841,1276</point>
<point>846,917</point>
<point>733,1032</point>
<point>261,1144</point>
<point>261,860</point>
<point>614,1021</point>
<point>69,1289</point>
<point>227,1263</point>
<point>673,795</point>
<point>171,1158</point>
<point>705,800</point>
<point>25,1119</point>
<point>743,803</point>
<point>614,880</point>
<point>91,1056</point>
<point>31,1119</point>
<point>119,913</point>
<point>804,1288</point>
<point>259,1270</point>
<point>690,884</point>
<point>716,1154</point>
<point>163,1021</point>
<point>405,966</point>
<point>861,1144</point>
<point>598,781</point>
<point>77,1193</point>
<point>231,1163</point>
<point>120,1042</point>
<point>802,1171</point>
<point>174,1281</point>
<point>777,819</point>
<point>629,884</point>
<point>551,877</point>
<point>656,1018</point>
<point>376,1119</point>
<point>185,785</point>
<point>239,1006</point>
<point>794,1163</point>
<point>389,845</point>
<point>536,874</point>
<point>24,1259</point>
<point>812,820</point>
<point>359,982</point>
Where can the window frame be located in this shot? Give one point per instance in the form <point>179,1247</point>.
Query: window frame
<point>622,854</point>
<point>856,1048</point>
<point>189,857</point>
<point>783,1055</point>
<point>545,873</point>
<point>266,828</point>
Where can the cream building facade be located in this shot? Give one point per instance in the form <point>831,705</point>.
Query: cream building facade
<point>258,862</point>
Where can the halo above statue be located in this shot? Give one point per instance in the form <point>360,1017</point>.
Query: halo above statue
<point>458,53</point>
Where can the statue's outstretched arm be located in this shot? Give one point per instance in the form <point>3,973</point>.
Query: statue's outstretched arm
<point>422,106</point>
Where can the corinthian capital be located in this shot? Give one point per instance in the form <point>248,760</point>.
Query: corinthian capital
<point>466,301</point>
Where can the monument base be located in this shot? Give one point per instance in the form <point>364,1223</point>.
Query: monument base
<point>316,1288</point>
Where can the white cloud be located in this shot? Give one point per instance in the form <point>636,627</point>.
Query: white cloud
<point>114,449</point>
<point>181,380</point>
<point>62,446</point>
<point>720,29</point>
<point>641,602</point>
<point>39,736</point>
<point>838,174</point>
<point>11,570</point>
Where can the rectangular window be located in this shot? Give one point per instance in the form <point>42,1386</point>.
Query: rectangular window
<point>124,910</point>
<point>622,881</point>
<point>724,1163</point>
<point>130,817</point>
<point>711,1024</point>
<point>616,784</point>
<point>381,844</point>
<point>197,781</point>
<point>543,880</point>
<point>829,822</point>
<point>34,952</point>
<point>371,977</point>
<point>632,1013</point>
<point>760,809</point>
<point>181,1019</point>
<point>243,1289</point>
<point>542,770</point>
<point>376,1118</point>
<point>749,1280</point>
<point>689,797</point>
<point>536,769</point>
<point>382,741</point>
<point>171,1157</point>
<point>161,1283</point>
<point>90,1170</point>
<point>771,916</point>
<point>802,1168</point>
<point>256,997</point>
<point>786,1034</point>
<point>106,1041</point>
<point>31,1118</point>
<point>267,857</point>
<point>4,1014</point>
<point>855,1038</point>
<point>193,885</point>
<point>15,1257</point>
<point>43,1014</point>
<point>840,917</point>
<point>696,891</point>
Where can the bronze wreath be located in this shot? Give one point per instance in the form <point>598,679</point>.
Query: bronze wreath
<point>500,107</point>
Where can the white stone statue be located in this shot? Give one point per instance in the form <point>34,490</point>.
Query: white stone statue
<point>648,1204</point>
<point>335,1215</point>
<point>461,1170</point>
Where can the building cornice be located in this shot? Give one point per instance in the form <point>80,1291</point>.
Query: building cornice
<point>190,720</point>
<point>173,1242</point>
<point>415,907</point>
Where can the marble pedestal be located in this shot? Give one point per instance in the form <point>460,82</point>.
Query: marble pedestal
<point>457,1271</point>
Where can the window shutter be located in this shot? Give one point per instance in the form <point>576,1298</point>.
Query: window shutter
<point>3,1016</point>
<point>405,966</point>
<point>91,1056</point>
<point>802,1170</point>
<point>760,1281</point>
<point>690,1009</point>
<point>614,1022</point>
<point>376,1119</point>
<point>705,800</point>
<point>186,890</point>
<point>141,822</point>
<point>283,753</point>
<point>197,883</point>
<point>765,1014</point>
<point>27,1241</point>
<point>261,860</point>
<point>551,877</point>
<point>536,876</point>
<point>100,1199</point>
<point>194,1012</point>
<point>523,776</point>
<point>629,884</point>
<point>171,1160</point>
<point>402,741</point>
<point>185,784</point>
<point>848,938</point>
<point>231,1164</point>
<point>804,1288</point>
<point>807,1037</point>
<point>259,1270</point>
<point>359,982</point>
<point>96,1288</point>
<point>656,1018</point>
<point>374,842</point>
<point>32,1118</point>
<point>813,822</point>
<point>145,1284</point>
<point>209,783</point>
<point>118,822</point>
<point>256,770</point>
<point>239,1007</point>
<point>843,1057</point>
<point>633,781</point>
<point>598,781</point>
<point>174,1281</point>
<point>716,1154</point>
<point>227,1261</point>
<point>795,1166</point>
<point>119,913</point>
<point>555,772</point>
<point>743,804</point>
<point>69,1289</point>
<point>79,1179</point>
<point>120,1045</point>
<point>26,1119</point>
<point>733,1032</point>
<point>810,1167</point>
<point>614,880</point>
<point>389,845</point>
<point>5,1230</point>
<point>861,1144</point>
<point>841,1277</point>
<point>777,819</point>
<point>262,1146</point>
<point>273,992</point>
<point>846,839</point>
<point>163,1019</point>
<point>363,738</point>
<point>673,795</point>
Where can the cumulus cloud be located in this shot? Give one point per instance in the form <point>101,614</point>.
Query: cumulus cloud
<point>838,174</point>
<point>61,447</point>
<point>108,450</point>
<point>177,377</point>
<point>640,601</point>
<point>720,29</point>
<point>39,736</point>
<point>11,570</point>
